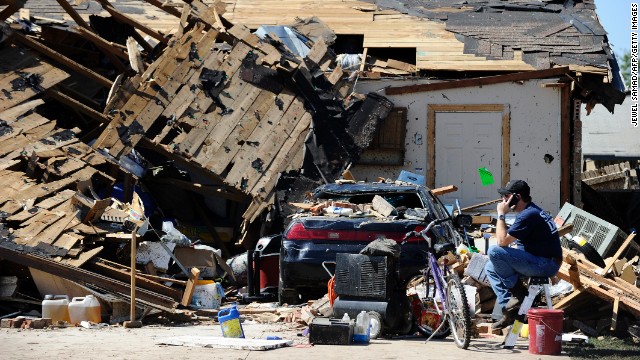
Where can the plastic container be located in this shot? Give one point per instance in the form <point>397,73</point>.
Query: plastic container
<point>56,308</point>
<point>230,322</point>
<point>462,249</point>
<point>362,331</point>
<point>545,331</point>
<point>84,309</point>
<point>207,295</point>
<point>345,318</point>
<point>335,210</point>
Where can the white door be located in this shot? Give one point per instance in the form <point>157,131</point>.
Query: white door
<point>464,142</point>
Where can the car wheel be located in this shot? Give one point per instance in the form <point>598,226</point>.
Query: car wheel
<point>375,320</point>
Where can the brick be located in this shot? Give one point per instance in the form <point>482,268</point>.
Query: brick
<point>6,323</point>
<point>485,328</point>
<point>40,323</point>
<point>17,322</point>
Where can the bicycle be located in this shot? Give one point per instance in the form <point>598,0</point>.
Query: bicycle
<point>442,304</point>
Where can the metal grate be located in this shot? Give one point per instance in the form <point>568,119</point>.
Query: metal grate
<point>603,236</point>
<point>361,276</point>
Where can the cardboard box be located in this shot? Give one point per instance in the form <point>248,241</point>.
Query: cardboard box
<point>200,256</point>
<point>475,268</point>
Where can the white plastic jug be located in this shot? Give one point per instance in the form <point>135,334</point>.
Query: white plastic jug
<point>56,308</point>
<point>361,332</point>
<point>84,309</point>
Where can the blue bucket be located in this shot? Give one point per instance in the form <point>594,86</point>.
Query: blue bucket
<point>230,322</point>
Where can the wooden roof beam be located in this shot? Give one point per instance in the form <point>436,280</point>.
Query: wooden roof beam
<point>75,104</point>
<point>73,13</point>
<point>520,76</point>
<point>169,9</point>
<point>126,19</point>
<point>61,59</point>
<point>83,24</point>
<point>85,277</point>
<point>207,190</point>
<point>189,165</point>
<point>8,11</point>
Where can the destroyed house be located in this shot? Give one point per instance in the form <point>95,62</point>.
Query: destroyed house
<point>149,111</point>
<point>490,85</point>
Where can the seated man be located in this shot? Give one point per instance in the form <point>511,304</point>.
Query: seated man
<point>537,253</point>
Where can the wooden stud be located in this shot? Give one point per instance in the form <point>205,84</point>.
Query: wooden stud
<point>62,59</point>
<point>521,76</point>
<point>191,285</point>
<point>128,20</point>
<point>619,252</point>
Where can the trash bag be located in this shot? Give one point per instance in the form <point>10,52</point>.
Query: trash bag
<point>382,247</point>
<point>349,61</point>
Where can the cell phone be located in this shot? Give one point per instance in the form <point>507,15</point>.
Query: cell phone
<point>514,200</point>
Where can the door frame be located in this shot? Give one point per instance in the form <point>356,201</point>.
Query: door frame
<point>433,109</point>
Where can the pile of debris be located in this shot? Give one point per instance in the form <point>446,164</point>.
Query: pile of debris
<point>190,144</point>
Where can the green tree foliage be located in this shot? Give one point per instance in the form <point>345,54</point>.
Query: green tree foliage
<point>624,62</point>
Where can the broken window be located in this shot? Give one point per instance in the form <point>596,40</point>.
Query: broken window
<point>387,146</point>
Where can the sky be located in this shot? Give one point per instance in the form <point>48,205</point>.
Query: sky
<point>615,16</point>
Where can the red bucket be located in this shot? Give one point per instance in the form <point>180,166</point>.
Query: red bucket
<point>545,331</point>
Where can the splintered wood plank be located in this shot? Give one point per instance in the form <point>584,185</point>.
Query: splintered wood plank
<point>268,124</point>
<point>252,167</point>
<point>178,105</point>
<point>53,231</point>
<point>227,123</point>
<point>83,257</point>
<point>68,240</point>
<point>156,75</point>
<point>227,97</point>
<point>25,234</point>
<point>11,115</point>
<point>292,146</point>
<point>45,204</point>
<point>239,136</point>
<point>175,73</point>
<point>619,252</point>
<point>69,165</point>
<point>191,286</point>
<point>78,150</point>
<point>191,102</point>
<point>50,76</point>
<point>40,190</point>
<point>24,124</point>
<point>8,177</point>
<point>39,138</point>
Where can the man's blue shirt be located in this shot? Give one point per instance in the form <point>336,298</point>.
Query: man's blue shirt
<point>536,232</point>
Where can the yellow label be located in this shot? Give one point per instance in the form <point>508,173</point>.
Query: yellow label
<point>582,241</point>
<point>515,329</point>
<point>232,329</point>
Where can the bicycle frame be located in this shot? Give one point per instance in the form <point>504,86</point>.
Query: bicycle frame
<point>438,277</point>
<point>446,307</point>
<point>437,272</point>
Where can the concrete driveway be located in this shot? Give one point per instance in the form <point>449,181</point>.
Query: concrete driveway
<point>120,343</point>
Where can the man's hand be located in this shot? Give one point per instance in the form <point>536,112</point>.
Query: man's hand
<point>503,207</point>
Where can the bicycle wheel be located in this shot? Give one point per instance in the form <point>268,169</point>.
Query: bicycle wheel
<point>459,315</point>
<point>426,306</point>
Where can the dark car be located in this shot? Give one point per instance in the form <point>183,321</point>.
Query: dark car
<point>309,240</point>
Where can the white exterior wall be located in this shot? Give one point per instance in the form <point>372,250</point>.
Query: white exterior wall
<point>534,131</point>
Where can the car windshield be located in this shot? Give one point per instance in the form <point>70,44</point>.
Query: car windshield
<point>409,200</point>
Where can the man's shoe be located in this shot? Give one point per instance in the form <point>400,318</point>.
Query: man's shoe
<point>508,317</point>
<point>518,293</point>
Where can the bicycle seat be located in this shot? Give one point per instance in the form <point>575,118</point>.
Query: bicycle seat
<point>443,248</point>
